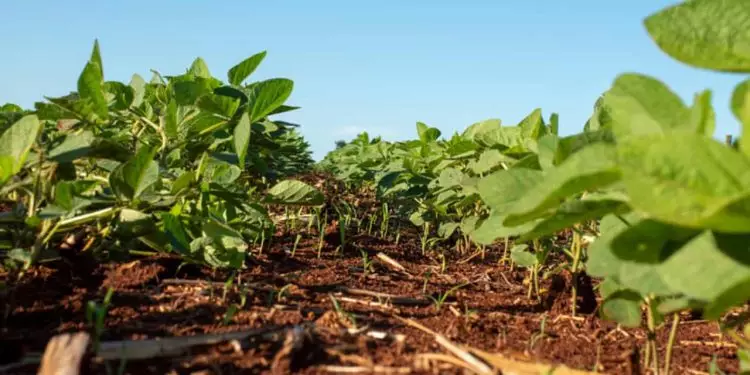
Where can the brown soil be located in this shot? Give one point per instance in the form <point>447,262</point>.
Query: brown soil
<point>153,298</point>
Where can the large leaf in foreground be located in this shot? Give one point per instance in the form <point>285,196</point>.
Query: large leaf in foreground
<point>293,192</point>
<point>500,190</point>
<point>688,180</point>
<point>709,34</point>
<point>591,168</point>
<point>713,268</point>
<point>638,104</point>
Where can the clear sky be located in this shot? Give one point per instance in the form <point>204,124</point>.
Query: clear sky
<point>360,65</point>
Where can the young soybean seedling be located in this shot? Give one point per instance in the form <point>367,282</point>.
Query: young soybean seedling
<point>95,315</point>
<point>441,299</point>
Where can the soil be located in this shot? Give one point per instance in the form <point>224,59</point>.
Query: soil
<point>157,297</point>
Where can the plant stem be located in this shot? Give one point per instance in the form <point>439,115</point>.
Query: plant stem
<point>576,260</point>
<point>670,343</point>
<point>651,324</point>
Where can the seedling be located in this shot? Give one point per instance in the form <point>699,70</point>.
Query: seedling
<point>95,315</point>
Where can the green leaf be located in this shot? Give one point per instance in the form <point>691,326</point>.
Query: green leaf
<point>175,231</point>
<point>481,127</point>
<point>218,104</point>
<point>492,228</point>
<point>522,257</point>
<point>638,104</point>
<point>199,68</point>
<point>68,194</point>
<point>688,180</point>
<point>121,96</point>
<point>488,161</point>
<point>182,182</point>
<point>591,168</point>
<point>741,110</point>
<point>703,117</point>
<point>624,307</point>
<point>241,71</point>
<point>139,89</point>
<point>501,190</point>
<point>266,96</point>
<point>129,180</point>
<point>75,146</point>
<point>96,57</point>
<point>293,192</point>
<point>712,268</point>
<point>242,138</point>
<point>709,34</point>
<point>171,123</point>
<point>91,90</point>
<point>426,133</point>
<point>570,213</point>
<point>135,223</point>
<point>532,125</point>
<point>16,142</point>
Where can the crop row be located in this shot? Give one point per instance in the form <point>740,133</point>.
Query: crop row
<point>659,210</point>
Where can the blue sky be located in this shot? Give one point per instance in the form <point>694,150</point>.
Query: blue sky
<point>378,66</point>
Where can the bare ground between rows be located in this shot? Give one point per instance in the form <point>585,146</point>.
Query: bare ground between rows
<point>157,297</point>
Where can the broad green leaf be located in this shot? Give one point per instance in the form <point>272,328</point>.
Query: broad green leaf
<point>129,180</point>
<point>91,90</point>
<point>242,138</point>
<point>175,231</point>
<point>171,122</point>
<point>532,125</point>
<point>266,96</point>
<point>741,110</point>
<point>604,260</point>
<point>488,161</point>
<point>445,230</point>
<point>624,307</point>
<point>426,133</point>
<point>522,257</point>
<point>501,190</point>
<point>96,57</point>
<point>293,192</point>
<point>703,117</point>
<point>16,142</point>
<point>554,123</point>
<point>75,146</point>
<point>688,180</point>
<point>591,168</point>
<point>571,144</point>
<point>707,34</point>
<point>570,213</point>
<point>492,228</point>
<point>481,127</point>
<point>120,95</point>
<point>182,182</point>
<point>218,104</point>
<point>241,71</point>
<point>199,68</point>
<point>135,223</point>
<point>187,92</point>
<point>711,268</point>
<point>638,104</point>
<point>547,150</point>
<point>139,89</point>
<point>68,194</point>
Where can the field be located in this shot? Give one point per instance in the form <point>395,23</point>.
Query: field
<point>175,226</point>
